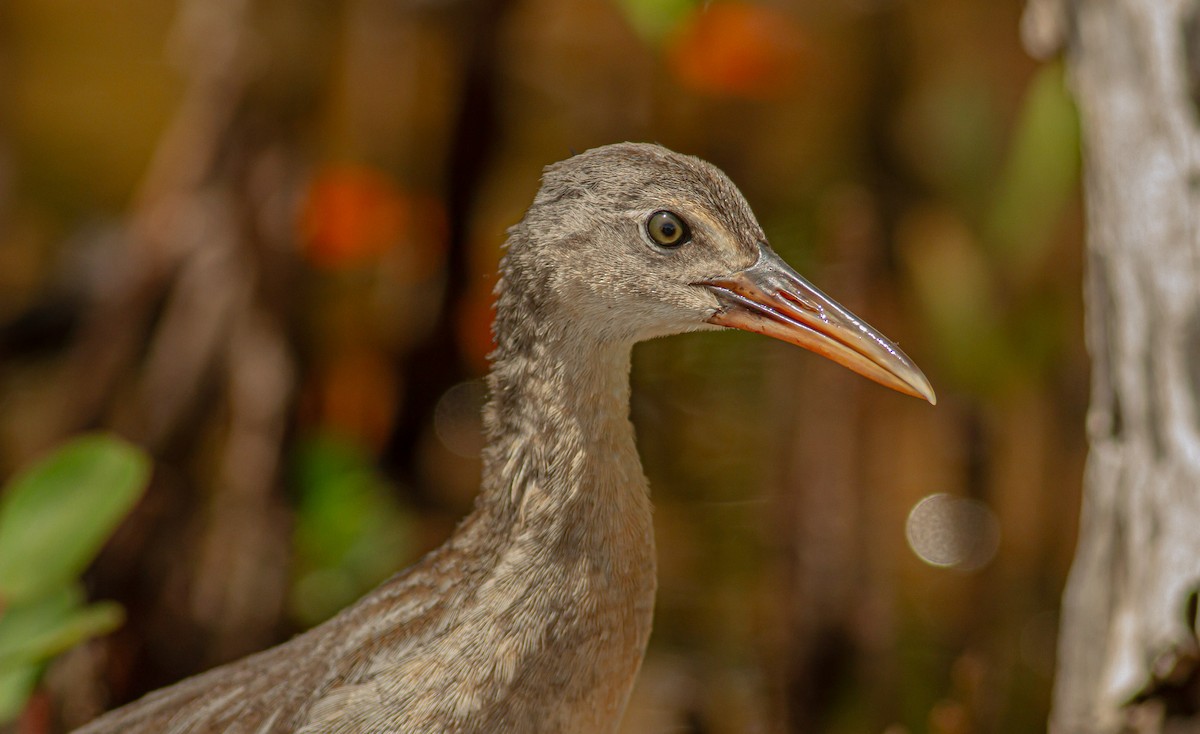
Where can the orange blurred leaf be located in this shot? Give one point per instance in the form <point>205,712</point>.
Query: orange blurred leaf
<point>352,216</point>
<point>737,49</point>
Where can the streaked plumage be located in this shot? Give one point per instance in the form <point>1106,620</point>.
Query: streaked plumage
<point>534,616</point>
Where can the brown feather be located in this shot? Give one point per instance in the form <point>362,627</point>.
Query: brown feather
<point>534,616</point>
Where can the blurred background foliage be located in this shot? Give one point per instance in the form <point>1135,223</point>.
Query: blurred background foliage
<point>258,238</point>
<point>53,519</point>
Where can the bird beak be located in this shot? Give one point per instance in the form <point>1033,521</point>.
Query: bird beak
<point>772,299</point>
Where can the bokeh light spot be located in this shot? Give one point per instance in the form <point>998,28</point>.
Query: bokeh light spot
<point>457,420</point>
<point>953,532</point>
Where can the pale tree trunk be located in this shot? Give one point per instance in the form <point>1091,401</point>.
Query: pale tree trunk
<point>1128,659</point>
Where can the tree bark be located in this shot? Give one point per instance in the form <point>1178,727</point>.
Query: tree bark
<point>1128,652</point>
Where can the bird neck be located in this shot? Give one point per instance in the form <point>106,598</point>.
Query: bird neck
<point>561,536</point>
<point>565,490</point>
<point>561,458</point>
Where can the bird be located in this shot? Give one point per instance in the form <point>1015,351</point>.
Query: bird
<point>535,614</point>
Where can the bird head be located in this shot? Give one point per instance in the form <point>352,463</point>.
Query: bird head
<point>633,242</point>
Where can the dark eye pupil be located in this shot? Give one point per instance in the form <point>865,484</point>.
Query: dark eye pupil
<point>667,229</point>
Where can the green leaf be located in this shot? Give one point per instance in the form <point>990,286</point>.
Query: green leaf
<point>1041,174</point>
<point>21,624</point>
<point>37,631</point>
<point>655,19</point>
<point>960,296</point>
<point>20,628</point>
<point>350,532</point>
<point>55,516</point>
<point>32,633</point>
<point>16,685</point>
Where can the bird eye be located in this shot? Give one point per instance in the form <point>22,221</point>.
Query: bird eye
<point>667,229</point>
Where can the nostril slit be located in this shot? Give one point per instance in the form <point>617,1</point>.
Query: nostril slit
<point>801,303</point>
